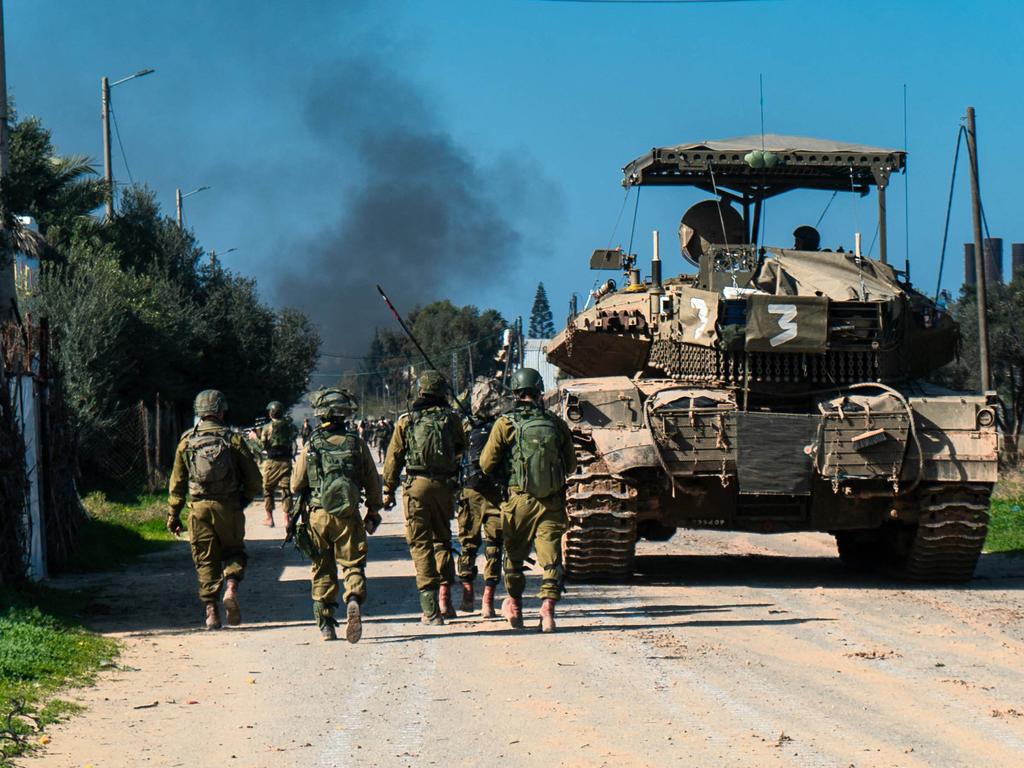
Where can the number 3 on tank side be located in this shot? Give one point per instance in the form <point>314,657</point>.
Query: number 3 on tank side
<point>787,322</point>
<point>702,315</point>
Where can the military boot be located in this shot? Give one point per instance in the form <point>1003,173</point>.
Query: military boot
<point>468,598</point>
<point>444,602</point>
<point>487,602</point>
<point>353,621</point>
<point>231,606</point>
<point>268,508</point>
<point>324,615</point>
<point>212,616</point>
<point>547,615</point>
<point>512,610</point>
<point>431,612</point>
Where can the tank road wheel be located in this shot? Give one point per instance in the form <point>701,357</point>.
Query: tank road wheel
<point>950,532</point>
<point>601,540</point>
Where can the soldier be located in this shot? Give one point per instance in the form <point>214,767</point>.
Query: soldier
<point>480,505</point>
<point>335,468</point>
<point>429,442</point>
<point>278,440</point>
<point>213,466</point>
<point>535,449</point>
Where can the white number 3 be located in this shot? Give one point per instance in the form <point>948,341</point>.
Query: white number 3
<point>787,322</point>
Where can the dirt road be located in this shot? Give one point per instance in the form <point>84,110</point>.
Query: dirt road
<point>726,650</point>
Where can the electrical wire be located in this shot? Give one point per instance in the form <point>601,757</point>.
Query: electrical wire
<point>618,219</point>
<point>949,210</point>
<point>124,157</point>
<point>632,230</point>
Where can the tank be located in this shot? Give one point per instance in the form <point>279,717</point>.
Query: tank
<point>775,389</point>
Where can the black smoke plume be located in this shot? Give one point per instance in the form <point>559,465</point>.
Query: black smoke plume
<point>415,211</point>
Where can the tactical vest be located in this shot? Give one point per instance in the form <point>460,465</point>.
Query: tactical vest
<point>535,460</point>
<point>333,470</point>
<point>279,446</point>
<point>211,467</point>
<point>473,476</point>
<point>430,445</point>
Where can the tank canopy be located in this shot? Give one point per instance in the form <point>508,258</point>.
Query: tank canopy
<point>752,168</point>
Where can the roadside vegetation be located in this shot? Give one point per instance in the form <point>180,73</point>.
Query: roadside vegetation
<point>42,651</point>
<point>119,529</point>
<point>1006,521</point>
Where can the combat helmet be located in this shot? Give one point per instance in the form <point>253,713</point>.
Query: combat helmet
<point>210,402</point>
<point>431,383</point>
<point>275,408</point>
<point>333,403</point>
<point>527,381</point>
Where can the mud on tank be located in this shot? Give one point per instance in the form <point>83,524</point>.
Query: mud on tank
<point>777,389</point>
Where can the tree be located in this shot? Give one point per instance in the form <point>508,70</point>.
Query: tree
<point>542,325</point>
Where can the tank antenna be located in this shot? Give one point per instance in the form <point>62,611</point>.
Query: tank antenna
<point>906,195</point>
<point>760,86</point>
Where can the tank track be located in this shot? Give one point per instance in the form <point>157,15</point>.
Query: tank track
<point>950,532</point>
<point>600,542</point>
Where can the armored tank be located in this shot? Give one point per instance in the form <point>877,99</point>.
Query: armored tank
<point>776,389</point>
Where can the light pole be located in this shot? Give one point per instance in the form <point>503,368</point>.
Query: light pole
<point>213,255</point>
<point>108,176</point>
<point>178,197</point>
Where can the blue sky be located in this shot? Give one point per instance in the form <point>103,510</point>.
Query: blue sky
<point>548,100</point>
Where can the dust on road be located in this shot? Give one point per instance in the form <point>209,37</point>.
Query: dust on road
<point>726,650</point>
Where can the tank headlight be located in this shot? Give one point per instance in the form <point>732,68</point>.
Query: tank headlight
<point>986,417</point>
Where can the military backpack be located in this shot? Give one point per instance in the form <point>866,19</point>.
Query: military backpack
<point>472,476</point>
<point>211,467</point>
<point>535,463</point>
<point>334,467</point>
<point>279,446</point>
<point>430,444</point>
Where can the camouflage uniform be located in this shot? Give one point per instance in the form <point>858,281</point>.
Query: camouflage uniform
<point>277,467</point>
<point>429,497</point>
<point>216,524</point>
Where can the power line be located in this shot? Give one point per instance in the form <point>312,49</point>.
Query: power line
<point>124,157</point>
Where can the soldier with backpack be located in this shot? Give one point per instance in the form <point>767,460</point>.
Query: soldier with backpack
<point>534,450</point>
<point>336,469</point>
<point>278,439</point>
<point>214,469</point>
<point>428,442</point>
<point>479,516</point>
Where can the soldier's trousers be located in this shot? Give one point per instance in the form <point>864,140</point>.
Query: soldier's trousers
<point>528,522</point>
<point>479,520</point>
<point>429,505</point>
<point>277,474</point>
<point>341,540</point>
<point>216,531</point>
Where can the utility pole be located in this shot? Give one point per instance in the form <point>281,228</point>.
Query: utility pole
<point>979,255</point>
<point>8,288</point>
<point>108,174</point>
<point>177,202</point>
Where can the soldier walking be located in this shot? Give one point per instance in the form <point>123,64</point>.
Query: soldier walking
<point>479,517</point>
<point>535,450</point>
<point>214,469</point>
<point>278,440</point>
<point>335,468</point>
<point>428,442</point>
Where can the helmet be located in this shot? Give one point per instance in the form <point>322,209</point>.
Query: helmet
<point>527,380</point>
<point>486,398</point>
<point>332,402</point>
<point>807,238</point>
<point>275,408</point>
<point>210,402</point>
<point>432,383</point>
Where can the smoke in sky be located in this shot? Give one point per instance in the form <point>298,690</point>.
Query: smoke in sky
<point>415,211</point>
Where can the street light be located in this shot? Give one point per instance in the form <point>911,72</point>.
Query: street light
<point>213,255</point>
<point>108,175</point>
<point>178,197</point>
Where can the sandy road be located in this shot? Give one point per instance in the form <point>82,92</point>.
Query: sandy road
<point>726,650</point>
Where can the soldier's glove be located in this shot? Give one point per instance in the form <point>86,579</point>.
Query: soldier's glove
<point>174,522</point>
<point>389,500</point>
<point>372,521</point>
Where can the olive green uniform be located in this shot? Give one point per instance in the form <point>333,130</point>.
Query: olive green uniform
<point>216,526</point>
<point>277,467</point>
<point>429,505</point>
<point>528,521</point>
<point>479,521</point>
<point>340,539</point>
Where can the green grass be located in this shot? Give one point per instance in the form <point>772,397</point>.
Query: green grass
<point>42,651</point>
<point>1006,526</point>
<point>119,531</point>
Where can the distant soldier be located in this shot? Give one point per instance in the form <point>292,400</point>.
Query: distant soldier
<point>806,238</point>
<point>480,504</point>
<point>428,441</point>
<point>213,467</point>
<point>534,449</point>
<point>278,439</point>
<point>337,469</point>
<point>383,436</point>
<point>306,431</point>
